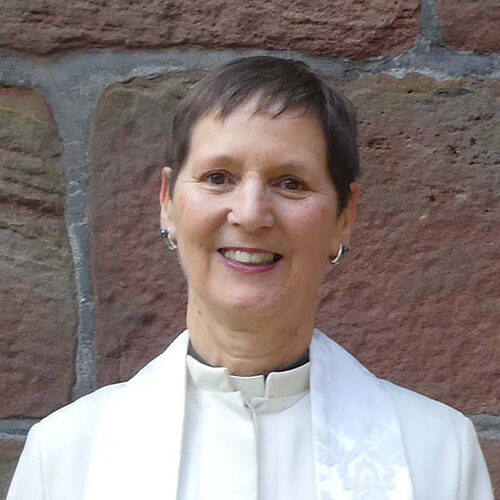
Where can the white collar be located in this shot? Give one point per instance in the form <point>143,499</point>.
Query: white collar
<point>276,384</point>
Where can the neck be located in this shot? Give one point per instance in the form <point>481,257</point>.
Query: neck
<point>248,346</point>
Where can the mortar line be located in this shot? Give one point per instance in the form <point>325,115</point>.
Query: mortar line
<point>439,62</point>
<point>72,111</point>
<point>430,31</point>
<point>487,426</point>
<point>12,428</point>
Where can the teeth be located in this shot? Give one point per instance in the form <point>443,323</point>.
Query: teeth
<point>249,258</point>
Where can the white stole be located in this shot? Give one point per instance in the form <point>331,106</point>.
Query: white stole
<point>358,445</point>
<point>359,452</point>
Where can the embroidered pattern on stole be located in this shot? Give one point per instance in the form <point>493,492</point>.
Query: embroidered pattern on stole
<point>358,446</point>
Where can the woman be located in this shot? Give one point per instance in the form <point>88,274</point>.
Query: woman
<point>250,401</point>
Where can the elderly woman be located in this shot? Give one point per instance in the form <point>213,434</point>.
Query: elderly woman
<point>251,402</point>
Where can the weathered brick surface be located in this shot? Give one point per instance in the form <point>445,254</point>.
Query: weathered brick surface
<point>357,29</point>
<point>491,451</point>
<point>140,292</point>
<point>470,24</point>
<point>416,299</point>
<point>9,453</point>
<point>37,304</point>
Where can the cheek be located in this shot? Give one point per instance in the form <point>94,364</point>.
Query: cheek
<point>313,224</point>
<point>197,221</point>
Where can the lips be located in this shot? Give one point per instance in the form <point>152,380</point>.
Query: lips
<point>250,256</point>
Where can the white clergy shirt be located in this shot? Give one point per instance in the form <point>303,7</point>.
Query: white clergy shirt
<point>246,437</point>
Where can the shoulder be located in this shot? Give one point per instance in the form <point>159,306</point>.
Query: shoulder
<point>56,454</point>
<point>97,433</point>
<point>121,398</point>
<point>419,410</point>
<point>74,425</point>
<point>441,446</point>
<point>120,402</point>
<point>428,426</point>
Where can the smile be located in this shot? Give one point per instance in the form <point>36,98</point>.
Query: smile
<point>250,257</point>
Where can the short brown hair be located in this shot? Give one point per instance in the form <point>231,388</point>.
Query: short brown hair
<point>277,84</point>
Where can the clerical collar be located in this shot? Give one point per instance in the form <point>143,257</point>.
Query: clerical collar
<point>277,391</point>
<point>299,362</point>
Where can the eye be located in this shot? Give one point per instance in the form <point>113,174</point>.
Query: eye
<point>291,184</point>
<point>217,178</point>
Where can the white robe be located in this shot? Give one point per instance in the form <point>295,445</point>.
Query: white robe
<point>372,440</point>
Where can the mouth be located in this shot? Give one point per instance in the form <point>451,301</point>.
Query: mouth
<point>250,256</point>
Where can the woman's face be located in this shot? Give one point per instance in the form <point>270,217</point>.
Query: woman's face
<point>254,212</point>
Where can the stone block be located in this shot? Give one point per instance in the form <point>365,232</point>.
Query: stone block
<point>491,451</point>
<point>470,24</point>
<point>417,298</point>
<point>10,449</point>
<point>359,29</point>
<point>38,309</point>
<point>140,290</point>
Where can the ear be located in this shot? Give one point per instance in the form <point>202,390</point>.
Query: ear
<point>166,207</point>
<point>346,219</point>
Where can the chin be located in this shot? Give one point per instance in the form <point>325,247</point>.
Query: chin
<point>255,304</point>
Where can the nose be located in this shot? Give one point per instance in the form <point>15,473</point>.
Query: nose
<point>251,206</point>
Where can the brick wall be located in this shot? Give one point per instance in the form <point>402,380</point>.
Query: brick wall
<point>89,293</point>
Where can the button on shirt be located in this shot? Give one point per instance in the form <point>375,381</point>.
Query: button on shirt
<point>246,438</point>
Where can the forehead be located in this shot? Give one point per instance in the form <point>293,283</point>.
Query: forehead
<point>249,130</point>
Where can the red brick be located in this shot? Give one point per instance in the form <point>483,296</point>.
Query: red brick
<point>38,308</point>
<point>349,29</point>
<point>470,24</point>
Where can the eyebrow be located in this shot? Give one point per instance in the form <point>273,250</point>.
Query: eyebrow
<point>220,159</point>
<point>292,164</point>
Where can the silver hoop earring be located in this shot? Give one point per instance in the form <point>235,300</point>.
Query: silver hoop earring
<point>342,250</point>
<point>171,244</point>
